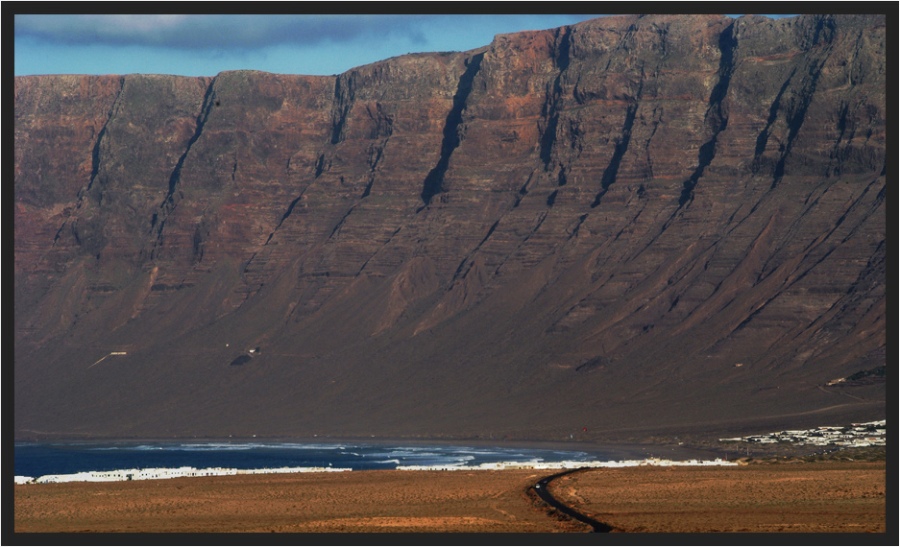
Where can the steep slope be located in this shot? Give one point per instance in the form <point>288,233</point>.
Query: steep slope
<point>633,225</point>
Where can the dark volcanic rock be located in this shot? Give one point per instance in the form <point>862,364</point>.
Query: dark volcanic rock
<point>633,224</point>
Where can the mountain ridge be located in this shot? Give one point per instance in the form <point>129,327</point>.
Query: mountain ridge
<point>638,221</point>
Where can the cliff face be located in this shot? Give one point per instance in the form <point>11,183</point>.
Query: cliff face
<point>633,224</point>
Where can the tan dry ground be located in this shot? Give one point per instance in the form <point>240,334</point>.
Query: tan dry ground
<point>821,497</point>
<point>358,501</point>
<point>818,497</point>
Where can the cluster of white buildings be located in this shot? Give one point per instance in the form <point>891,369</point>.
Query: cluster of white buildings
<point>165,473</point>
<point>855,435</point>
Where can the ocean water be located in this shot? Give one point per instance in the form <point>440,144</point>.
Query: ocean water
<point>38,459</point>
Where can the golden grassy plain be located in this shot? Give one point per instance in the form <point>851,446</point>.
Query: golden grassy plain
<point>803,497</point>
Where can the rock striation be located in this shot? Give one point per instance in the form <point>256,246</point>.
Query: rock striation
<point>630,225</point>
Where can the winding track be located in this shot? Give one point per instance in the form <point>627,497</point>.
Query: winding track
<point>541,487</point>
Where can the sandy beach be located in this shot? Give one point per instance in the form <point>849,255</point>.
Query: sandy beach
<point>788,497</point>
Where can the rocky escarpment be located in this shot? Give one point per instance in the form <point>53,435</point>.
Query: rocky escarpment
<point>630,225</point>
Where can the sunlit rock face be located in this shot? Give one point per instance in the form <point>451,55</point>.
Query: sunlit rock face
<point>626,226</point>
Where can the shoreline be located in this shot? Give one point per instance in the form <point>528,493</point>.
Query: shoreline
<point>614,448</point>
<point>799,443</point>
<point>543,455</point>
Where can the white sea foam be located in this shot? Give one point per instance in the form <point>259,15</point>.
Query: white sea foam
<point>534,464</point>
<point>170,473</point>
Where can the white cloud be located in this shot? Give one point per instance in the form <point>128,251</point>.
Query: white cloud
<point>214,31</point>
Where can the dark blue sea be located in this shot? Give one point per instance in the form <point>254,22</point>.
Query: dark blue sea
<point>38,459</point>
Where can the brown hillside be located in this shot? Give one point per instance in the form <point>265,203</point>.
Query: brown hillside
<point>632,225</point>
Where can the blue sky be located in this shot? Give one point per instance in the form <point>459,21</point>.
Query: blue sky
<point>204,45</point>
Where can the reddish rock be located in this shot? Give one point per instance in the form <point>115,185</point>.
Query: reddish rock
<point>585,226</point>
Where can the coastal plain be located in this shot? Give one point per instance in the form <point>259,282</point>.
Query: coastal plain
<point>821,497</point>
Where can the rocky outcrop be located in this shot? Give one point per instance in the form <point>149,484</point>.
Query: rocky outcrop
<point>632,224</point>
